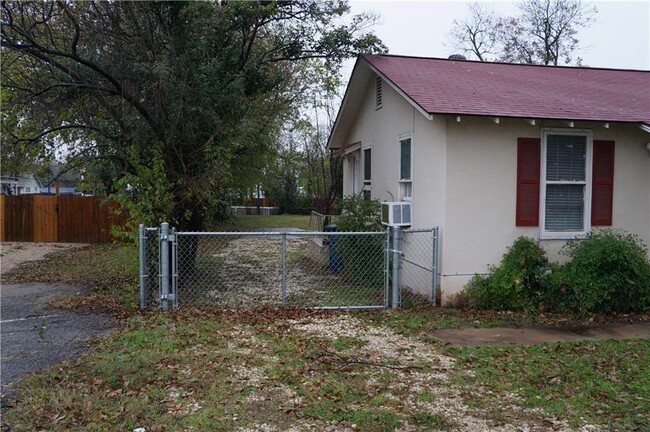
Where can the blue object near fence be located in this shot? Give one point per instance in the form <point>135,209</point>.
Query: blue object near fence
<point>335,257</point>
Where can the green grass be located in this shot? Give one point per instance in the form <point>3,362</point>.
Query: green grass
<point>255,222</point>
<point>606,382</point>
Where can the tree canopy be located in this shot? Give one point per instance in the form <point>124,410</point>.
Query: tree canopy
<point>174,102</point>
<point>544,32</point>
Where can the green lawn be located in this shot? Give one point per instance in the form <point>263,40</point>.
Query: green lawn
<point>255,222</point>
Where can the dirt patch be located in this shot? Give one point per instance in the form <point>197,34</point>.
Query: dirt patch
<point>13,254</point>
<point>536,335</point>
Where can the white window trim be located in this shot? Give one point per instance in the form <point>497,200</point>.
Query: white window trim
<point>565,235</point>
<point>400,138</point>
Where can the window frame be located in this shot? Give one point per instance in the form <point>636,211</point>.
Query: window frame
<point>405,184</point>
<point>586,217</point>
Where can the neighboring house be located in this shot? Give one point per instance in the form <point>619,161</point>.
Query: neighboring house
<point>20,185</point>
<point>27,184</point>
<point>489,152</point>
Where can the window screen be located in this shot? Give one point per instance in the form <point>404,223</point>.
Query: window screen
<point>367,165</point>
<point>405,159</point>
<point>564,207</point>
<point>565,182</point>
<point>565,157</point>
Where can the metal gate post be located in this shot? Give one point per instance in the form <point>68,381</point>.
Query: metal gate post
<point>143,266</point>
<point>284,269</point>
<point>396,266</point>
<point>164,266</point>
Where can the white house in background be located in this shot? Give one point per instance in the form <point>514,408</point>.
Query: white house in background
<point>489,152</point>
<point>20,185</point>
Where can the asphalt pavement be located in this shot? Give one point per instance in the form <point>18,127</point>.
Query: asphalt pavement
<point>35,337</point>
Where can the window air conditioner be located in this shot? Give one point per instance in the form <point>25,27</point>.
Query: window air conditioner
<point>396,213</point>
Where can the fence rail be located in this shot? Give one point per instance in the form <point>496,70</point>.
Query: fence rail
<point>315,269</point>
<point>65,218</point>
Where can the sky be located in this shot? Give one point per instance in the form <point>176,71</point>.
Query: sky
<point>619,38</point>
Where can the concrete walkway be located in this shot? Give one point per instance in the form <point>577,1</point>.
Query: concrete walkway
<point>35,337</point>
<point>536,335</point>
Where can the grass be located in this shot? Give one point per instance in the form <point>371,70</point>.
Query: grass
<point>256,222</point>
<point>607,382</point>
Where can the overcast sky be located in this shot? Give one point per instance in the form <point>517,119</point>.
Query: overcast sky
<point>619,37</point>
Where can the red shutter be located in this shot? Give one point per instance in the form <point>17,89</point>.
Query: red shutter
<point>528,159</point>
<point>602,186</point>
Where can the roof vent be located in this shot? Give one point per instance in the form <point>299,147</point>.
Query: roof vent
<point>457,57</point>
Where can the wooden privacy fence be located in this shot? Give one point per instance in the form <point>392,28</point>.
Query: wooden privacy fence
<point>64,218</point>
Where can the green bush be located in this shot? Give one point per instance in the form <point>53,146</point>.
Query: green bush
<point>362,256</point>
<point>608,272</point>
<point>518,283</point>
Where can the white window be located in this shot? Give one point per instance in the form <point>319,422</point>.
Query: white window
<point>405,167</point>
<point>566,183</point>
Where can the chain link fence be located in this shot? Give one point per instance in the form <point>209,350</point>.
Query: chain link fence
<point>349,270</point>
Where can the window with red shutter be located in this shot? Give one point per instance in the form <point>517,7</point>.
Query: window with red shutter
<point>528,172</point>
<point>602,185</point>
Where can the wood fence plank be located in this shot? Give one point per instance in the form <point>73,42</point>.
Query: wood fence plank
<point>45,218</point>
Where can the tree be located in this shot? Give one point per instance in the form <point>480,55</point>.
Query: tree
<point>477,34</point>
<point>545,32</point>
<point>185,99</point>
<point>323,170</point>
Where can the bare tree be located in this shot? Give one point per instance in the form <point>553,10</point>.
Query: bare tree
<point>478,34</point>
<point>544,32</point>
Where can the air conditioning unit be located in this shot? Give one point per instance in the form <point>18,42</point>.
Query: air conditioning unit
<point>396,213</point>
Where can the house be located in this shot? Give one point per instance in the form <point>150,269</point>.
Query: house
<point>45,183</point>
<point>26,184</point>
<point>491,151</point>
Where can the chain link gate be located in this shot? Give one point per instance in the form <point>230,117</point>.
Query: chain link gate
<point>329,270</point>
<point>419,270</point>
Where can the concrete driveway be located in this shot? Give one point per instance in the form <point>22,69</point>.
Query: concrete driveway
<point>35,337</point>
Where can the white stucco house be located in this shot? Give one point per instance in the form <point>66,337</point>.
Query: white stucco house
<point>490,151</point>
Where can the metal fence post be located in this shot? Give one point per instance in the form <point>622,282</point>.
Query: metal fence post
<point>386,266</point>
<point>143,266</point>
<point>164,266</point>
<point>396,267</point>
<point>284,269</point>
<point>434,265</point>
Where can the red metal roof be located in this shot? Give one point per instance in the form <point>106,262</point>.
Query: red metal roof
<point>442,86</point>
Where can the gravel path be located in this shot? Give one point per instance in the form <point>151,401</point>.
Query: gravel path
<point>12,254</point>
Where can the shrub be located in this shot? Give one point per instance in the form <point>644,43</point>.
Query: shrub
<point>362,256</point>
<point>608,272</point>
<point>518,283</point>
